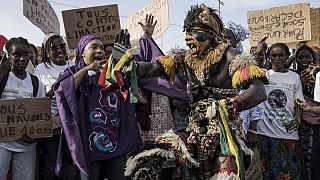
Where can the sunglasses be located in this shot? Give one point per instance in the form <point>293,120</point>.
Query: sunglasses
<point>199,35</point>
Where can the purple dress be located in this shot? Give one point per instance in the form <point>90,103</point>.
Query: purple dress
<point>97,125</point>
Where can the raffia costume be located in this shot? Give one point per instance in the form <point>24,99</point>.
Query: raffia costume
<point>213,78</point>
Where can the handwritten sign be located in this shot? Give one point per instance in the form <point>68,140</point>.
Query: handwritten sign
<point>159,9</point>
<point>42,15</point>
<point>30,116</point>
<point>102,21</point>
<point>315,26</point>
<point>280,24</point>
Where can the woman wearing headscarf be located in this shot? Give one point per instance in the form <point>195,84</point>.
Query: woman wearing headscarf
<point>310,124</point>
<point>98,126</point>
<point>98,120</point>
<point>54,60</point>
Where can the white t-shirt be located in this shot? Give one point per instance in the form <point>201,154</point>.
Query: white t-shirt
<point>283,90</point>
<point>317,88</point>
<point>48,76</point>
<point>17,89</point>
<point>30,68</point>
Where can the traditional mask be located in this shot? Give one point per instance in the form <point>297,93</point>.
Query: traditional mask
<point>202,25</point>
<point>198,41</point>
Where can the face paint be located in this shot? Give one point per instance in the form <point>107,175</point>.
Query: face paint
<point>198,42</point>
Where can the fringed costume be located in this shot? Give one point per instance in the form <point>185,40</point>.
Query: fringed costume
<point>212,147</point>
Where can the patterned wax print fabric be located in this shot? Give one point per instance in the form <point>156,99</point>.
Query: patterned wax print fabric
<point>279,158</point>
<point>160,119</point>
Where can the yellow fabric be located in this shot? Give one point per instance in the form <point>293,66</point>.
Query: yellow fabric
<point>234,151</point>
<point>117,67</point>
<point>169,67</point>
<point>245,74</point>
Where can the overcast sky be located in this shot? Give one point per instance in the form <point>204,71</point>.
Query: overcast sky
<point>14,24</point>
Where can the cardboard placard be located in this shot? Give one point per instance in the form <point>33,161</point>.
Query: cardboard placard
<point>30,116</point>
<point>102,21</point>
<point>159,9</point>
<point>315,29</point>
<point>284,24</point>
<point>42,15</point>
<point>315,26</point>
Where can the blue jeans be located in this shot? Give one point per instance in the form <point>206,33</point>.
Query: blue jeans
<point>23,164</point>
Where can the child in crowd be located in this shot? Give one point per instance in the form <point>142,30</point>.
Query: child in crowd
<point>16,83</point>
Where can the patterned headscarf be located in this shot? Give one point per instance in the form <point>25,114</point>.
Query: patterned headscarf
<point>80,48</point>
<point>240,33</point>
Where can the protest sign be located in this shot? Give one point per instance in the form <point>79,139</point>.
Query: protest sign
<point>285,24</point>
<point>159,9</point>
<point>42,15</point>
<point>30,116</point>
<point>315,26</point>
<point>315,29</point>
<point>102,21</point>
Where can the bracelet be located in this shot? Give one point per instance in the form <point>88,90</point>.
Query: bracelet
<point>252,131</point>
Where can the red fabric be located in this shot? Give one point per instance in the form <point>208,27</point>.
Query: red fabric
<point>120,82</point>
<point>102,80</point>
<point>3,41</point>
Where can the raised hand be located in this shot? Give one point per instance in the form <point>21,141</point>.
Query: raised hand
<point>262,45</point>
<point>4,64</point>
<point>148,27</point>
<point>306,77</point>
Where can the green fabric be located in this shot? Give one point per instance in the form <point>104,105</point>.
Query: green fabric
<point>134,85</point>
<point>225,150</point>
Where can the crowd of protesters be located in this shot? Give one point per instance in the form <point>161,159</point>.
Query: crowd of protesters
<point>285,129</point>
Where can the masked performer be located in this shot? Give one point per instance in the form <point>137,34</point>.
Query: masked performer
<point>213,77</point>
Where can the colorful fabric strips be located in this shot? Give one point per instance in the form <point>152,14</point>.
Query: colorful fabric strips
<point>228,141</point>
<point>111,78</point>
<point>245,74</point>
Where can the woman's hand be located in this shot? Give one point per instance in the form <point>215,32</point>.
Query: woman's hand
<point>148,27</point>
<point>306,77</point>
<point>293,124</point>
<point>95,66</point>
<point>4,65</point>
